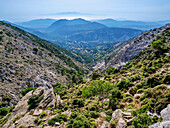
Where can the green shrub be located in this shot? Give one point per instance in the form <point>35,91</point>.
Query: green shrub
<point>43,114</point>
<point>124,84</point>
<point>108,118</point>
<point>78,102</point>
<point>151,82</point>
<point>147,94</point>
<point>95,76</point>
<point>22,127</point>
<point>35,49</point>
<point>142,121</point>
<point>93,124</point>
<point>24,92</point>
<point>134,78</point>
<point>166,79</point>
<point>114,98</point>
<point>128,99</point>
<point>140,90</point>
<point>3,104</point>
<point>59,118</point>
<point>111,70</point>
<point>157,45</point>
<point>34,101</point>
<point>122,105</point>
<point>133,90</point>
<point>79,122</point>
<point>93,114</point>
<point>96,87</point>
<point>3,111</point>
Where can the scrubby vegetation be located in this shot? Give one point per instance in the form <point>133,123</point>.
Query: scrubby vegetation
<point>24,92</point>
<point>34,101</point>
<point>141,85</point>
<point>138,87</point>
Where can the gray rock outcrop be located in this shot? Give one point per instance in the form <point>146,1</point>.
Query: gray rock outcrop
<point>26,116</point>
<point>121,119</point>
<point>165,114</point>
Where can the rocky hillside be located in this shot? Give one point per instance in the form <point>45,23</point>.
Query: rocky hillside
<point>131,48</point>
<point>134,97</point>
<point>28,61</point>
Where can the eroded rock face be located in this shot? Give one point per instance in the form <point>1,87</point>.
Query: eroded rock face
<point>165,114</point>
<point>121,118</point>
<point>26,116</point>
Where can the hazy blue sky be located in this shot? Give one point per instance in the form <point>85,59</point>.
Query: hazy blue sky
<point>145,10</point>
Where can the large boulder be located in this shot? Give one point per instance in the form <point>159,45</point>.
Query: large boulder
<point>22,108</point>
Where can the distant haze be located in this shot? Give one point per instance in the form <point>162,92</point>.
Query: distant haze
<point>140,10</point>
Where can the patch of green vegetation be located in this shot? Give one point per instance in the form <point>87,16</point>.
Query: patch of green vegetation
<point>79,121</point>
<point>3,112</point>
<point>43,114</point>
<point>61,118</point>
<point>24,92</point>
<point>97,88</point>
<point>34,101</point>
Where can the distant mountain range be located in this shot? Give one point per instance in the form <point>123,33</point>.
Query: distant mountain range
<point>86,37</point>
<point>38,23</point>
<point>77,30</point>
<point>132,24</point>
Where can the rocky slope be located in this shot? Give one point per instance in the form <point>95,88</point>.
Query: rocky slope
<point>28,61</point>
<point>132,47</point>
<point>134,97</point>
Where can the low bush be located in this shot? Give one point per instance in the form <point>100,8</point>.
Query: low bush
<point>93,114</point>
<point>78,103</point>
<point>24,92</point>
<point>97,87</point>
<point>43,114</point>
<point>34,101</point>
<point>111,70</point>
<point>3,111</point>
<point>124,84</point>
<point>79,122</point>
<point>59,118</point>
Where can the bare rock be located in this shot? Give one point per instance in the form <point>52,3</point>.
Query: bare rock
<point>57,124</point>
<point>105,124</point>
<point>165,114</point>
<point>49,99</point>
<point>103,114</point>
<point>27,121</point>
<point>121,123</point>
<point>37,112</point>
<point>121,118</point>
<point>21,109</point>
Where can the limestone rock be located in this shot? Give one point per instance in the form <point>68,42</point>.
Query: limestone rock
<point>49,99</point>
<point>165,114</point>
<point>21,109</point>
<point>105,124</point>
<point>121,118</point>
<point>103,114</point>
<point>121,123</point>
<point>27,121</point>
<point>37,112</point>
<point>57,124</point>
